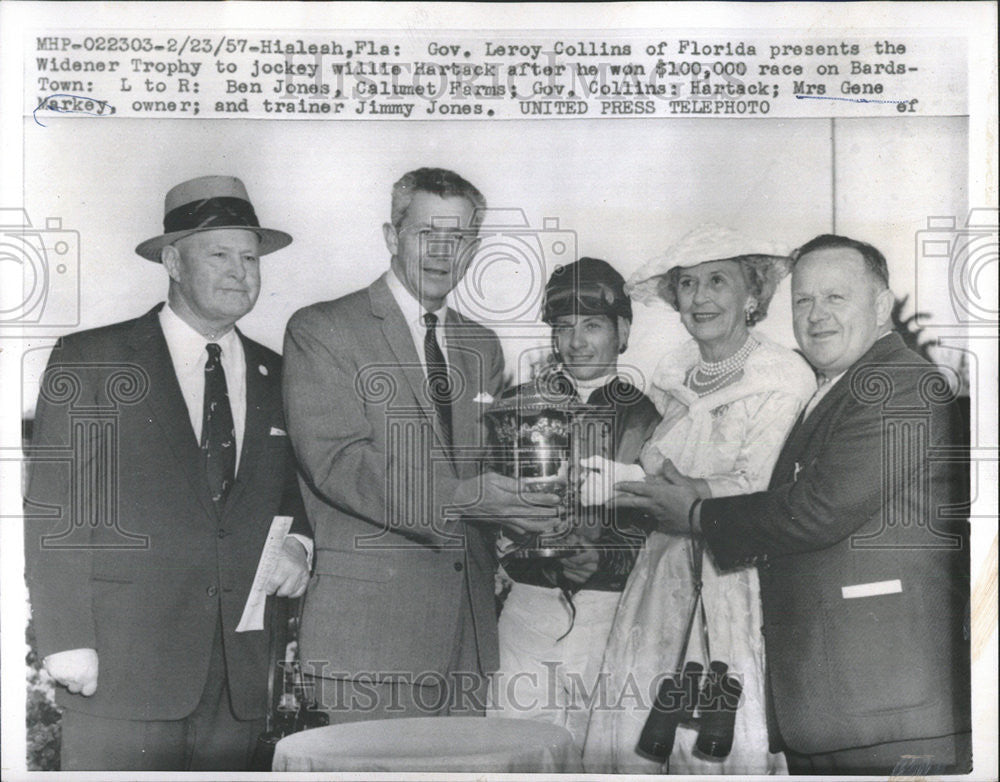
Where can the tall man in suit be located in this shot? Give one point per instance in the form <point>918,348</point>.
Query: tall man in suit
<point>860,539</point>
<point>384,394</point>
<point>142,545</point>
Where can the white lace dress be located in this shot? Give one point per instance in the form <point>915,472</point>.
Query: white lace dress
<point>730,438</point>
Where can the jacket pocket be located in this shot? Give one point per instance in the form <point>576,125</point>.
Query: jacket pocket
<point>874,645</point>
<point>354,565</point>
<point>110,579</point>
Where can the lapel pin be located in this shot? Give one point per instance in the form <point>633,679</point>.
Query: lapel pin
<point>263,370</point>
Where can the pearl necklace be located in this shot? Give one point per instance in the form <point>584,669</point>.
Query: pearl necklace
<point>719,373</point>
<point>727,365</point>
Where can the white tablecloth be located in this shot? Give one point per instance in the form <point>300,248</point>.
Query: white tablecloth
<point>468,744</point>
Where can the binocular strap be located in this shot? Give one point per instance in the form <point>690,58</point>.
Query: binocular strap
<point>697,551</point>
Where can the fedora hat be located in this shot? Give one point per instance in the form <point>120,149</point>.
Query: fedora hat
<point>207,204</point>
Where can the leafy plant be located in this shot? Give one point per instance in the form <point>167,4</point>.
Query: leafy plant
<point>44,731</point>
<point>910,329</point>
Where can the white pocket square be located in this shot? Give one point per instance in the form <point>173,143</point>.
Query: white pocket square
<point>873,589</point>
<point>276,432</point>
<point>482,398</point>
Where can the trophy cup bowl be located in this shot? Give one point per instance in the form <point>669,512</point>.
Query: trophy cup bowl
<point>531,439</point>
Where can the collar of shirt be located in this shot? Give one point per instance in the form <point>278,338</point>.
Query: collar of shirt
<point>829,383</point>
<point>188,355</point>
<point>584,388</point>
<point>824,385</point>
<point>413,313</point>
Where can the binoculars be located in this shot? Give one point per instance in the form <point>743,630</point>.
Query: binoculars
<point>707,700</point>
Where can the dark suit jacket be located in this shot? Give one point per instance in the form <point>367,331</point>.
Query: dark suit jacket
<point>862,546</point>
<point>391,562</point>
<point>125,551</point>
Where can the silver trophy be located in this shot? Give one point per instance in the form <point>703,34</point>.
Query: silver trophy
<point>538,435</point>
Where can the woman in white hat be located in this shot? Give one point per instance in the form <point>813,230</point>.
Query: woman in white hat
<point>728,399</point>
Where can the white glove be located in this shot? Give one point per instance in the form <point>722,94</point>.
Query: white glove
<point>600,476</point>
<point>76,669</point>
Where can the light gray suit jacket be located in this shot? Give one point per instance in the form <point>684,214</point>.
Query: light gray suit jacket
<point>392,558</point>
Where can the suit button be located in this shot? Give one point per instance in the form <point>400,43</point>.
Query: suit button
<point>212,591</point>
<point>458,566</point>
<point>222,533</point>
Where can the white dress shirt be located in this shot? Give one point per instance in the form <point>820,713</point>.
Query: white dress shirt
<point>413,313</point>
<point>188,354</point>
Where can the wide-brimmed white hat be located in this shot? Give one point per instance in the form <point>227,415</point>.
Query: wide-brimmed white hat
<point>207,204</point>
<point>707,242</point>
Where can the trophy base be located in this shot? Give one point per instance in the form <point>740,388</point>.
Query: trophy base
<point>543,552</point>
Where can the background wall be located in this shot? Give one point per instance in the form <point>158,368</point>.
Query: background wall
<point>620,190</point>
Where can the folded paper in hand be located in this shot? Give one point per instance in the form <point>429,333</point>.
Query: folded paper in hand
<point>253,611</point>
<point>505,546</point>
<point>600,476</point>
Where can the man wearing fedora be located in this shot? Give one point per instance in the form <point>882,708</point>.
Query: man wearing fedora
<point>142,546</point>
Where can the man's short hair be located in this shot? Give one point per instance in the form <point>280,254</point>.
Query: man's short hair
<point>874,260</point>
<point>439,181</point>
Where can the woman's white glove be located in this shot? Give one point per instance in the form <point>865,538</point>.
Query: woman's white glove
<point>600,476</point>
